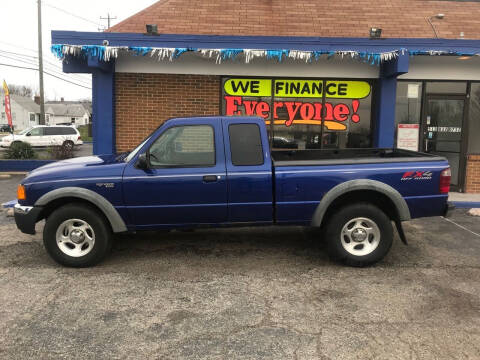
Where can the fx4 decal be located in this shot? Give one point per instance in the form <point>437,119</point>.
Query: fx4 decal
<point>417,175</point>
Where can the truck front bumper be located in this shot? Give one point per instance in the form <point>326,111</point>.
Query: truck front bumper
<point>26,217</point>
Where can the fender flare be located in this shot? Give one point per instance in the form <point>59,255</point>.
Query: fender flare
<point>362,184</point>
<point>114,218</point>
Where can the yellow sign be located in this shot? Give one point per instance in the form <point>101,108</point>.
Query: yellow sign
<point>314,89</point>
<point>248,87</point>
<point>347,89</point>
<point>295,88</point>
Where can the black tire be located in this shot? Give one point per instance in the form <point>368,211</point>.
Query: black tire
<point>98,225</point>
<point>68,144</point>
<point>350,217</point>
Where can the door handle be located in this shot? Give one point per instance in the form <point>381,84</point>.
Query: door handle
<point>210,178</point>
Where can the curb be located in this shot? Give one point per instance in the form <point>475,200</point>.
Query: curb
<point>8,174</point>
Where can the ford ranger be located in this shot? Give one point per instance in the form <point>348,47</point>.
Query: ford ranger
<point>219,171</point>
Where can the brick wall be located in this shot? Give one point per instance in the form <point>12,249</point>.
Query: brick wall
<point>472,181</point>
<point>144,101</point>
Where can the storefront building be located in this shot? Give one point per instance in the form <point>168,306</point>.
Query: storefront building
<point>314,91</point>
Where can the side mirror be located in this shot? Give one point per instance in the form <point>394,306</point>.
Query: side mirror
<point>28,134</point>
<point>142,162</point>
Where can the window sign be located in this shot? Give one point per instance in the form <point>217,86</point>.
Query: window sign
<point>413,90</point>
<point>407,136</point>
<point>293,104</point>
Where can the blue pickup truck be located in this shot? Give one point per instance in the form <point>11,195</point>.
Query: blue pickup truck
<point>219,171</point>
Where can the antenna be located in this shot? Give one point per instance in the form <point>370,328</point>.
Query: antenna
<point>108,18</point>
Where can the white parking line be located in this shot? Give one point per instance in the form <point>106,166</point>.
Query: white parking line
<point>462,227</point>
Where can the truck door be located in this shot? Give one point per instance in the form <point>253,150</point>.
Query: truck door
<point>186,179</point>
<point>249,171</point>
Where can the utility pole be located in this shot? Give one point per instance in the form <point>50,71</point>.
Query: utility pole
<point>40,64</point>
<point>108,18</point>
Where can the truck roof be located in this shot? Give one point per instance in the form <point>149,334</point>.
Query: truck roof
<point>215,117</point>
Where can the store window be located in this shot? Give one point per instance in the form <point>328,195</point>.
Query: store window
<point>299,108</point>
<point>474,120</point>
<point>446,87</point>
<point>408,114</point>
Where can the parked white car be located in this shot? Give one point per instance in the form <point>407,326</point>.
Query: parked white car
<point>43,135</point>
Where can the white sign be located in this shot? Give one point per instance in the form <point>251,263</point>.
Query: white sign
<point>407,136</point>
<point>412,92</point>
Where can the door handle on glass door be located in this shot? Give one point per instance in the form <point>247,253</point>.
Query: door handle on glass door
<point>210,178</point>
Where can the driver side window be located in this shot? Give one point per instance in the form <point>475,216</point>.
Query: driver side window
<point>36,132</point>
<point>184,146</point>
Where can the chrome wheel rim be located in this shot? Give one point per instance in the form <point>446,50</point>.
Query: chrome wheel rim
<point>75,237</point>
<point>360,236</point>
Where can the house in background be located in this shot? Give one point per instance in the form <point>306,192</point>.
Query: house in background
<point>68,112</point>
<point>25,112</point>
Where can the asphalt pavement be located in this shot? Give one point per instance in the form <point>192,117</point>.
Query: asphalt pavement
<point>253,293</point>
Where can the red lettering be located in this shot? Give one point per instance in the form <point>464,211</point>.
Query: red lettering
<point>329,110</point>
<point>341,112</point>
<point>318,111</point>
<point>231,105</point>
<point>292,109</point>
<point>263,109</point>
<point>355,116</point>
<point>276,105</point>
<point>249,107</point>
<point>307,111</point>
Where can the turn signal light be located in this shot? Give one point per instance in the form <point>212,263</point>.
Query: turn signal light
<point>445,177</point>
<point>21,195</point>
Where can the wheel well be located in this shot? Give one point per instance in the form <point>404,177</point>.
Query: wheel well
<point>55,204</point>
<point>382,201</point>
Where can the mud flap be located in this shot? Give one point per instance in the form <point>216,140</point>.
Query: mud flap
<point>401,233</point>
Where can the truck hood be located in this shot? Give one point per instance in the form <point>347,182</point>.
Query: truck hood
<point>78,168</point>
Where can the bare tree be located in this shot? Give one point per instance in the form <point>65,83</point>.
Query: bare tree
<point>22,90</point>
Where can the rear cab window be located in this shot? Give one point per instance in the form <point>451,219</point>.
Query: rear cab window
<point>245,144</point>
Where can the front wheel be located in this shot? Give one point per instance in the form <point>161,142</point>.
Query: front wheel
<point>359,234</point>
<point>77,235</point>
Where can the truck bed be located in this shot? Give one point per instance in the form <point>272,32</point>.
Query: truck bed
<point>348,156</point>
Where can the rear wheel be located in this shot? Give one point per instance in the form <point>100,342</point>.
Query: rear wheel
<point>359,234</point>
<point>68,145</point>
<point>77,235</point>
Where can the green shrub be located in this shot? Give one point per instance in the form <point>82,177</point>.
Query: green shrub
<point>20,150</point>
<point>83,130</point>
<point>60,152</point>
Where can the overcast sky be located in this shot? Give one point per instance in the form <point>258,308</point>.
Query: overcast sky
<point>18,29</point>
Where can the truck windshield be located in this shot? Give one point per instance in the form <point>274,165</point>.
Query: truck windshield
<point>136,150</point>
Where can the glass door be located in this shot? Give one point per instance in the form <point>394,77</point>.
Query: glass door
<point>442,132</point>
